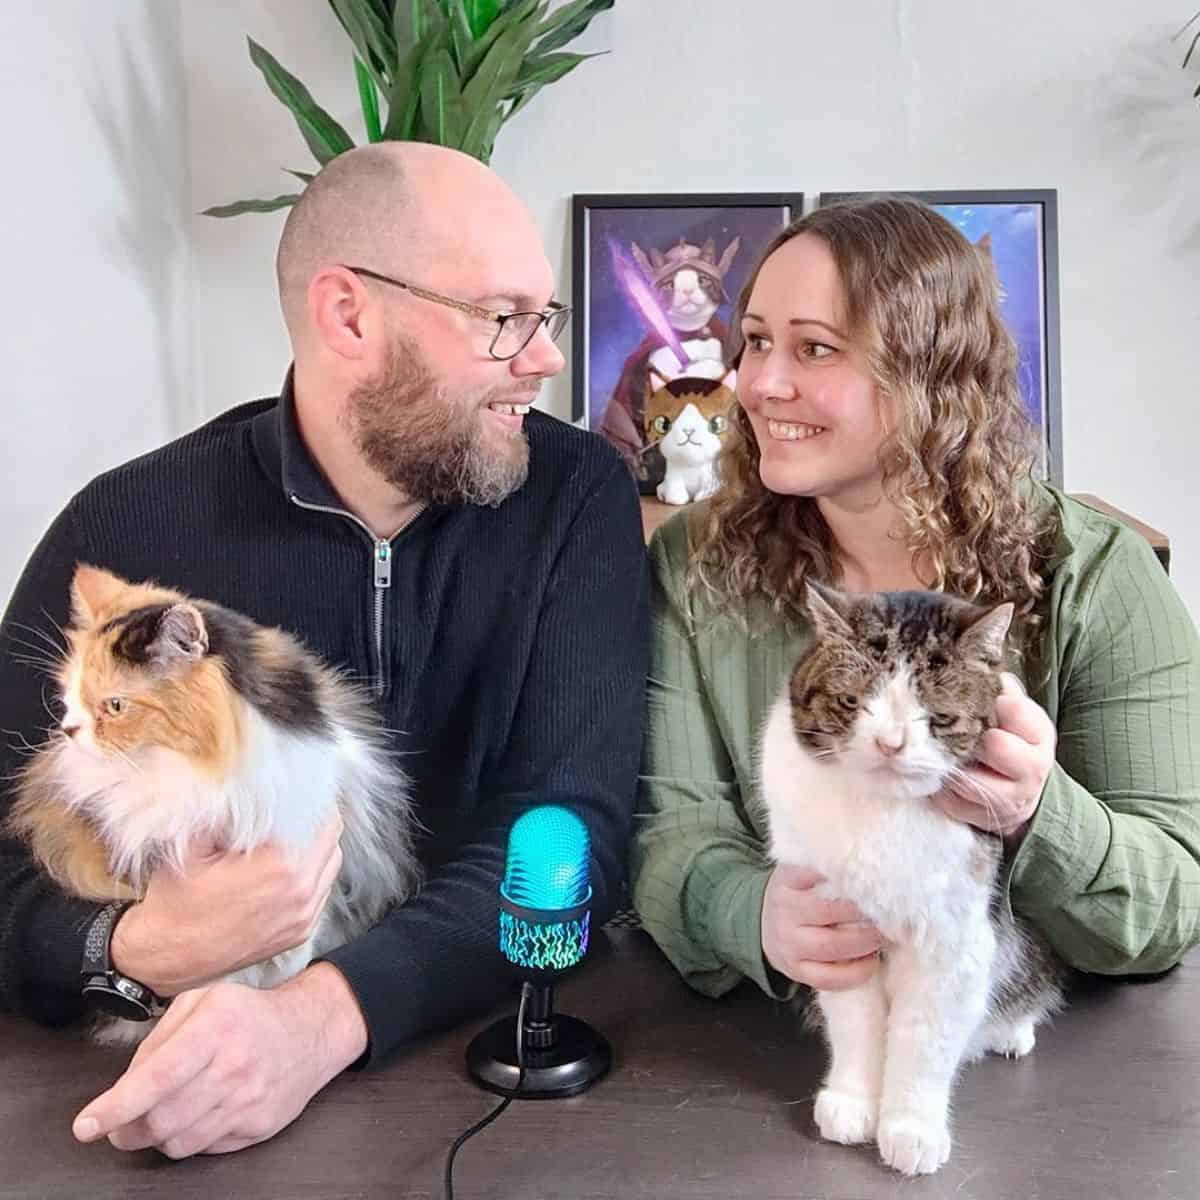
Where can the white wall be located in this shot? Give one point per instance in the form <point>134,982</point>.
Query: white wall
<point>94,310</point>
<point>765,95</point>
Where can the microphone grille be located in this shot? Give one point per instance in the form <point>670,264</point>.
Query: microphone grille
<point>547,864</point>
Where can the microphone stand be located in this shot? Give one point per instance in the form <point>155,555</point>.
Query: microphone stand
<point>563,1055</point>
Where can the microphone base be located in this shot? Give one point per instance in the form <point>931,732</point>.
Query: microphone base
<point>578,1058</point>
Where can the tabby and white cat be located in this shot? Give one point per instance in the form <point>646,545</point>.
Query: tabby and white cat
<point>184,720</point>
<point>888,704</point>
<point>686,418</point>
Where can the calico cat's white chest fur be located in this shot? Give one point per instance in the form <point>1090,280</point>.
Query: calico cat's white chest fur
<point>905,865</point>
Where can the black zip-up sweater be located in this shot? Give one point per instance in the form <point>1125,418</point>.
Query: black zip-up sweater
<point>508,644</point>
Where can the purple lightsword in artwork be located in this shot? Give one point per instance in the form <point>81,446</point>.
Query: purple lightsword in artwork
<point>645,301</point>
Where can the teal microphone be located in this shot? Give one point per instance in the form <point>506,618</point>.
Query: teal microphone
<point>545,900</point>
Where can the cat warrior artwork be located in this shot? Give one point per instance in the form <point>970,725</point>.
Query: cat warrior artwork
<point>185,720</point>
<point>686,338</point>
<point>687,418</point>
<point>885,709</point>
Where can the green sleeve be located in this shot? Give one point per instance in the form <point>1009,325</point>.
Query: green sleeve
<point>1110,867</point>
<point>699,868</point>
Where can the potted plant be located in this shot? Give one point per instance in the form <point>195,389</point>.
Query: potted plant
<point>450,72</point>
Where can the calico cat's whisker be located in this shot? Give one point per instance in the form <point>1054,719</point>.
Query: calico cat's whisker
<point>129,760</point>
<point>58,648</point>
<point>55,660</point>
<point>38,664</point>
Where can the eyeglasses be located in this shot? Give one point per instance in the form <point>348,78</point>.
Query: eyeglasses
<point>515,330</point>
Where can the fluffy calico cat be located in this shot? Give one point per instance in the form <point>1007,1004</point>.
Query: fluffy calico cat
<point>886,706</point>
<point>183,719</point>
<point>686,418</point>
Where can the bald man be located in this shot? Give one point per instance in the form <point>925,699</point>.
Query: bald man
<point>403,510</point>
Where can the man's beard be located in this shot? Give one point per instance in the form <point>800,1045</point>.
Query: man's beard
<point>430,446</point>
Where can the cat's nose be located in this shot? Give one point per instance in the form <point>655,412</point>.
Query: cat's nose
<point>890,744</point>
<point>71,728</point>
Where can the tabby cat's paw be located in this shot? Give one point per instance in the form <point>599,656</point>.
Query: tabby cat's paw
<point>914,1145</point>
<point>1013,1041</point>
<point>844,1118</point>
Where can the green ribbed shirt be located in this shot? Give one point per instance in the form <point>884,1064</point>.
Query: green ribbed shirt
<point>1109,869</point>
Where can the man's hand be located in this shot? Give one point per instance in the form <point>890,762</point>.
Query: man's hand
<point>229,1066</point>
<point>1001,791</point>
<point>823,943</point>
<point>225,911</point>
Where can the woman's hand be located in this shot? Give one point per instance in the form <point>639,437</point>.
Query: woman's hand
<point>823,943</point>
<point>1001,791</point>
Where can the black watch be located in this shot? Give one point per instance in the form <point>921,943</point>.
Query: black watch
<point>104,987</point>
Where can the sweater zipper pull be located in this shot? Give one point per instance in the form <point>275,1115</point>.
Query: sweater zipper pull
<point>383,564</point>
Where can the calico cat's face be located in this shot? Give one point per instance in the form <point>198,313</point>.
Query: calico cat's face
<point>687,417</point>
<point>901,685</point>
<point>137,676</point>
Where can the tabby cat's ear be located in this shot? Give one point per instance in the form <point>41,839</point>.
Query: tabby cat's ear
<point>179,635</point>
<point>92,591</point>
<point>828,610</point>
<point>984,638</point>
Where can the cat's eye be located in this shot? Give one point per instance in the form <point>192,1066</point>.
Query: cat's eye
<point>661,425</point>
<point>940,722</point>
<point>114,706</point>
<point>718,425</point>
<point>849,703</point>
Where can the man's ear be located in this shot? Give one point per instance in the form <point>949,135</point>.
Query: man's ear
<point>343,312</point>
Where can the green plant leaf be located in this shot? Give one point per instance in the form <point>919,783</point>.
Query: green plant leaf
<point>541,69</point>
<point>442,114</point>
<point>517,12</point>
<point>368,99</point>
<point>303,176</point>
<point>405,95</point>
<point>415,20</point>
<point>489,85</point>
<point>325,137</point>
<point>371,35</point>
<point>481,14</point>
<point>250,206</point>
<point>461,37</point>
<point>567,23</point>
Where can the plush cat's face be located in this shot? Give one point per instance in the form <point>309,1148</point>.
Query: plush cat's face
<point>137,676</point>
<point>902,685</point>
<point>687,417</point>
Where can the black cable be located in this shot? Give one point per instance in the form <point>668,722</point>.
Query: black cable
<point>448,1178</point>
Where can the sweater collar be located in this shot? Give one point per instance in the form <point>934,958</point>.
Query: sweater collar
<point>284,455</point>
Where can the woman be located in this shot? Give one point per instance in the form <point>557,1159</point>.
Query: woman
<point>879,443</point>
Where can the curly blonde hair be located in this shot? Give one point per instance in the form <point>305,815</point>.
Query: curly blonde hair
<point>922,303</point>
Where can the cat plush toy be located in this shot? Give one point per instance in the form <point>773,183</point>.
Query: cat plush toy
<point>184,720</point>
<point>887,707</point>
<point>686,419</point>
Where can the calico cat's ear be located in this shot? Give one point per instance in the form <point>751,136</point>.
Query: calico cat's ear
<point>984,638</point>
<point>828,610</point>
<point>93,590</point>
<point>179,635</point>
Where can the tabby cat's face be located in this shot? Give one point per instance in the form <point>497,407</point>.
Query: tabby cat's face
<point>900,685</point>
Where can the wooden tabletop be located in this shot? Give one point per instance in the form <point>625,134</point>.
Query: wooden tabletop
<point>707,1100</point>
